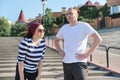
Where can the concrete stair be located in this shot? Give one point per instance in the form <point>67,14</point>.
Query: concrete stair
<point>52,66</point>
<point>52,69</point>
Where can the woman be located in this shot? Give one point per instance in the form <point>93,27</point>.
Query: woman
<point>31,53</point>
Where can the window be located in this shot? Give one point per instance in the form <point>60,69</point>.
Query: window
<point>115,9</point>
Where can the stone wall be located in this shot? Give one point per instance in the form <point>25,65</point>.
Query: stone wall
<point>115,22</point>
<point>109,22</point>
<point>113,2</point>
<point>94,24</point>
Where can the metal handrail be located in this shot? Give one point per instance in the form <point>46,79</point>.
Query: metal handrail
<point>111,47</point>
<point>107,53</point>
<point>114,47</point>
<point>106,50</point>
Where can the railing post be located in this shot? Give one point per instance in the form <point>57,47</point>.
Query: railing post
<point>52,41</point>
<point>91,57</point>
<point>107,57</point>
<point>48,40</point>
<point>91,54</point>
<point>63,44</point>
<point>107,54</point>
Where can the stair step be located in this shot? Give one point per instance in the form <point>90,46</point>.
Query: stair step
<point>97,73</point>
<point>103,78</point>
<point>61,78</point>
<point>52,66</point>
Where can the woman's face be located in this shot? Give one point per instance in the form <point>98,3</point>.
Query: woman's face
<point>40,31</point>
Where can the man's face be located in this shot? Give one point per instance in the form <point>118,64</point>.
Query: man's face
<point>71,15</point>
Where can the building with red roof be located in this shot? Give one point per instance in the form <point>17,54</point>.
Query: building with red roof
<point>88,3</point>
<point>21,17</point>
<point>96,4</point>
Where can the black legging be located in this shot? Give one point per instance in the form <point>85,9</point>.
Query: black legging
<point>29,76</point>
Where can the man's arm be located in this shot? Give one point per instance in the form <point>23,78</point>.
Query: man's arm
<point>96,41</point>
<point>57,45</point>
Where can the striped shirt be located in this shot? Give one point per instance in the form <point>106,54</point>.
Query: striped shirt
<point>31,54</point>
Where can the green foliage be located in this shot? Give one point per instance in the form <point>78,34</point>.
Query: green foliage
<point>22,34</point>
<point>88,12</point>
<point>105,10</point>
<point>80,18</point>
<point>61,20</point>
<point>115,15</point>
<point>55,25</point>
<point>48,20</point>
<point>17,28</point>
<point>4,27</point>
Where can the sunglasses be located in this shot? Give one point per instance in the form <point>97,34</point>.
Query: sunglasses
<point>41,30</point>
<point>69,14</point>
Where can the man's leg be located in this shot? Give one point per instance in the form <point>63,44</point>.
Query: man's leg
<point>80,71</point>
<point>67,72</point>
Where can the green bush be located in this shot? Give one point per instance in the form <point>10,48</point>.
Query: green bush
<point>22,34</point>
<point>115,15</point>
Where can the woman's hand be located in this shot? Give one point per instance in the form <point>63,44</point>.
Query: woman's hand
<point>22,78</point>
<point>38,78</point>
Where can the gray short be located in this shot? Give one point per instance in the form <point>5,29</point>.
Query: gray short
<point>75,71</point>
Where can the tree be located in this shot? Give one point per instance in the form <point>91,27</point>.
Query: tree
<point>4,27</point>
<point>88,12</point>
<point>105,10</point>
<point>48,21</point>
<point>55,28</point>
<point>17,29</point>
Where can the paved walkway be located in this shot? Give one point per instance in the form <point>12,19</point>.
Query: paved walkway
<point>111,37</point>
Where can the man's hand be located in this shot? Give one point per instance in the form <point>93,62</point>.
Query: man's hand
<point>62,53</point>
<point>82,56</point>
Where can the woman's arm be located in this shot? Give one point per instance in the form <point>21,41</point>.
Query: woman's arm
<point>21,70</point>
<point>39,70</point>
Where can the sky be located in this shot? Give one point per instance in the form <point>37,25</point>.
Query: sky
<point>10,9</point>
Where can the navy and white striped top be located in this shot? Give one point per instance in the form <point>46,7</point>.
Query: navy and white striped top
<point>31,54</point>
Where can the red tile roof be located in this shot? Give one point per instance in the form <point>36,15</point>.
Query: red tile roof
<point>21,17</point>
<point>56,14</point>
<point>96,3</point>
<point>89,3</point>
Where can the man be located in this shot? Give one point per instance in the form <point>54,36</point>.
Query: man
<point>75,36</point>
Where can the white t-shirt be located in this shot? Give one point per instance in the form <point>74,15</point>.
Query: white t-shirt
<point>75,40</point>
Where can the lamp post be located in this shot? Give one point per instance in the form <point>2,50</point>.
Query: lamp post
<point>43,4</point>
<point>39,16</point>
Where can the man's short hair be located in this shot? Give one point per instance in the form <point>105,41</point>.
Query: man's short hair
<point>74,8</point>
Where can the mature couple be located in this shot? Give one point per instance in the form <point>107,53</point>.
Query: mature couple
<point>75,35</point>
